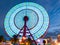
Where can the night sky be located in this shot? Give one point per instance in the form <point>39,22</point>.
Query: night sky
<point>52,7</point>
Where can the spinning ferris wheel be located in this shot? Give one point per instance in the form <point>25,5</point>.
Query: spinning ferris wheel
<point>27,19</point>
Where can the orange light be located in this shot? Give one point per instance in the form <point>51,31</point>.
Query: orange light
<point>24,38</point>
<point>26,43</point>
<point>20,40</point>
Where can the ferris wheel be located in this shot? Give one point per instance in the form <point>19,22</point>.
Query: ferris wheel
<point>26,19</point>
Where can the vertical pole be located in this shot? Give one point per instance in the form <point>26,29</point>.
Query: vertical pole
<point>24,33</point>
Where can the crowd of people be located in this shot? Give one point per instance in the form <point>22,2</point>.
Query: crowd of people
<point>15,41</point>
<point>50,41</point>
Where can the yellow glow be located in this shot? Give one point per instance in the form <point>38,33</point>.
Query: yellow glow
<point>27,43</point>
<point>57,43</point>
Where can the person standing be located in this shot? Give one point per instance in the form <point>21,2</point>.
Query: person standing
<point>44,42</point>
<point>50,41</point>
<point>57,42</point>
<point>2,40</point>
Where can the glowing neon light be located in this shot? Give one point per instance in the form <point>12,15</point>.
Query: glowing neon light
<point>38,30</point>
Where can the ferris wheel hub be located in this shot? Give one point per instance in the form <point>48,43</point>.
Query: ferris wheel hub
<point>25,18</point>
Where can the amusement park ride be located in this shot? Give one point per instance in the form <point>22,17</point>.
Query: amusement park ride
<point>25,20</point>
<point>25,28</point>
